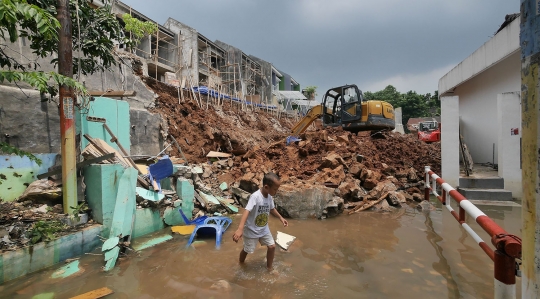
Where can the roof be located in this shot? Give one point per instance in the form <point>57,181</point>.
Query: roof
<point>306,103</point>
<point>495,50</point>
<point>290,95</point>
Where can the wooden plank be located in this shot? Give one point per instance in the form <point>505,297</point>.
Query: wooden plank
<point>113,93</point>
<point>95,294</point>
<point>213,154</point>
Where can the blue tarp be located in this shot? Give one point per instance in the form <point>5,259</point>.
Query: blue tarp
<point>206,91</point>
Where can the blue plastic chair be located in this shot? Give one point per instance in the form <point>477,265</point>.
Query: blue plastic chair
<point>217,225</point>
<point>196,221</point>
<point>160,170</point>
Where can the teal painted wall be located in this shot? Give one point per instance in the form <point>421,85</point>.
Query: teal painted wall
<point>116,113</point>
<point>102,182</point>
<point>17,172</point>
<point>14,264</point>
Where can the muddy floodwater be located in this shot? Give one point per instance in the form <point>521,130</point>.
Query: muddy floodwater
<point>402,254</point>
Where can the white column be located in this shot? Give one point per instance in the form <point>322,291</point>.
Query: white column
<point>509,148</point>
<point>450,139</point>
<point>398,118</point>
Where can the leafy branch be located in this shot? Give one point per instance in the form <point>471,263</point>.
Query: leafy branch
<point>42,81</point>
<point>9,149</point>
<point>137,28</point>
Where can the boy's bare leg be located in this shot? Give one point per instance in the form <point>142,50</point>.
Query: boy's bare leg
<point>270,256</point>
<point>243,256</point>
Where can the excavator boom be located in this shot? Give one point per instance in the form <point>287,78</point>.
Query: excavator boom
<point>313,114</point>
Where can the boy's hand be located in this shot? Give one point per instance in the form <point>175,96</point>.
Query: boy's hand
<point>284,221</point>
<point>237,235</point>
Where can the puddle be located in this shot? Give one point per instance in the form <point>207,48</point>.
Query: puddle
<point>366,255</point>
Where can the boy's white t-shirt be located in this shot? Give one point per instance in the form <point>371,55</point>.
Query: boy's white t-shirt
<point>259,209</point>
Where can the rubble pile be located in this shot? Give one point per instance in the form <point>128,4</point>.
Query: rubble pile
<point>364,170</point>
<point>361,170</point>
<point>225,128</point>
<point>27,222</point>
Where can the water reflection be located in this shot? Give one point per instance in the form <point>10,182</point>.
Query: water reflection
<point>441,266</point>
<point>402,254</point>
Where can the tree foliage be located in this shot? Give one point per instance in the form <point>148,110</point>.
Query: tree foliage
<point>9,149</point>
<point>311,92</point>
<point>412,104</point>
<point>93,30</point>
<point>138,28</point>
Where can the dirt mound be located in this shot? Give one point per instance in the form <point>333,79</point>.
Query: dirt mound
<point>365,168</point>
<point>212,127</point>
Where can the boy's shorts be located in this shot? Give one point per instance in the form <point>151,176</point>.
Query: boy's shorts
<point>251,243</point>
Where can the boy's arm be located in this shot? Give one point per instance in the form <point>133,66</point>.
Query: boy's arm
<point>240,231</point>
<point>276,213</point>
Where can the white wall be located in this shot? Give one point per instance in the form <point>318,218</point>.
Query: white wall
<point>449,138</point>
<point>478,106</point>
<point>508,118</point>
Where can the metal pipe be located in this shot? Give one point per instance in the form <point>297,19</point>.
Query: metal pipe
<point>67,120</point>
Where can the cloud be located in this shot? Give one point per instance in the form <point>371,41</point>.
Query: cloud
<point>426,82</point>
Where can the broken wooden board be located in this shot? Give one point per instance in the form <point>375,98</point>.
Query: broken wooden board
<point>218,155</point>
<point>95,294</point>
<point>284,240</point>
<point>112,93</point>
<point>183,229</point>
<point>143,169</point>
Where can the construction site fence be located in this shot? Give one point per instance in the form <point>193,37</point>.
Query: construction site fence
<point>202,95</point>
<point>507,254</point>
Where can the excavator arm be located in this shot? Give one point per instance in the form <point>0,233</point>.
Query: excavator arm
<point>313,114</point>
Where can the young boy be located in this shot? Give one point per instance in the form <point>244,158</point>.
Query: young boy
<point>254,222</point>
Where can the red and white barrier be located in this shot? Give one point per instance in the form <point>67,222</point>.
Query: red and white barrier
<point>507,247</point>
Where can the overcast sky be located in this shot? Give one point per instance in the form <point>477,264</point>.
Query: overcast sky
<point>372,43</point>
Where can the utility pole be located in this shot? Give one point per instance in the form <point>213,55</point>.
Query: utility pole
<point>530,58</point>
<point>67,119</point>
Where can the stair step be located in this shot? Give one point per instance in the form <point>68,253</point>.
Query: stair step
<point>486,194</point>
<point>482,183</point>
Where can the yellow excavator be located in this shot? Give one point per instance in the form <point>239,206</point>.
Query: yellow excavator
<point>344,106</point>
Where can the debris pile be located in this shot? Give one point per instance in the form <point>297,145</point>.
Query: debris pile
<point>27,222</point>
<point>362,170</point>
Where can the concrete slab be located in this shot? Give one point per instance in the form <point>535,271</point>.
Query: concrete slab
<point>14,264</point>
<point>504,203</point>
<point>482,183</point>
<point>151,242</point>
<point>66,270</point>
<point>486,194</point>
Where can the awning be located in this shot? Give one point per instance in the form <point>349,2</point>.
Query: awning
<point>289,95</point>
<point>306,103</point>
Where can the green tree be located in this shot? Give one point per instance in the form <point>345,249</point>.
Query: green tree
<point>138,29</point>
<point>412,104</point>
<point>311,92</point>
<point>94,33</point>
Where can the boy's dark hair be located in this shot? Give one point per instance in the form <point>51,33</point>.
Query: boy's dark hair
<point>270,178</point>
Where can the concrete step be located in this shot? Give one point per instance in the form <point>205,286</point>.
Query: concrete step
<point>482,183</point>
<point>486,194</point>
